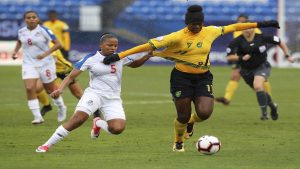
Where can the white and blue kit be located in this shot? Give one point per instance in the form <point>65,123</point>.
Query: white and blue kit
<point>104,88</point>
<point>35,42</point>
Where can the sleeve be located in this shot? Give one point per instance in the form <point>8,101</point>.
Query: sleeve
<point>239,27</point>
<point>164,41</point>
<point>84,63</point>
<point>129,59</point>
<point>65,27</point>
<point>48,34</point>
<point>216,31</point>
<point>271,39</point>
<point>232,47</point>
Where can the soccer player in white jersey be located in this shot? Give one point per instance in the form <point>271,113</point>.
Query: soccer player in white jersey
<point>103,92</point>
<point>38,63</point>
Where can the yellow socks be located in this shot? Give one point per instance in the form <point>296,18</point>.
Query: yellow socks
<point>194,118</point>
<point>230,89</point>
<point>268,88</point>
<point>43,97</point>
<point>179,130</point>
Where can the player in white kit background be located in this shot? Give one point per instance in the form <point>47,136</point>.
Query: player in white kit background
<point>38,63</point>
<point>103,92</point>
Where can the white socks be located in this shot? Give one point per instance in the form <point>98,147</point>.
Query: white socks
<point>103,125</point>
<point>59,102</point>
<point>57,136</point>
<point>35,108</point>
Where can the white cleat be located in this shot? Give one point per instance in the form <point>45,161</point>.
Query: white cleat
<point>42,149</point>
<point>37,121</point>
<point>62,114</point>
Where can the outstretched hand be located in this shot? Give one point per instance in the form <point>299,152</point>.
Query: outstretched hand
<point>55,94</point>
<point>270,23</point>
<point>111,58</point>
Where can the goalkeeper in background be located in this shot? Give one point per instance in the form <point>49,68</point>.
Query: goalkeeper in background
<point>235,76</point>
<point>60,30</point>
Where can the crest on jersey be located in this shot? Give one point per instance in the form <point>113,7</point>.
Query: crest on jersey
<point>189,44</point>
<point>199,44</point>
<point>178,93</point>
<point>90,102</point>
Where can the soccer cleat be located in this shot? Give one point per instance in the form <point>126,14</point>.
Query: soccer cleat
<point>264,116</point>
<point>222,100</point>
<point>61,114</point>
<point>189,130</point>
<point>274,114</point>
<point>46,109</point>
<point>37,121</point>
<point>95,132</point>
<point>178,147</point>
<point>42,149</point>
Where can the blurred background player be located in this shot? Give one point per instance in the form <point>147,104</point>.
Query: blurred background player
<point>250,50</point>
<point>235,76</point>
<point>191,80</point>
<point>63,68</point>
<point>103,93</point>
<point>38,63</point>
<point>60,30</point>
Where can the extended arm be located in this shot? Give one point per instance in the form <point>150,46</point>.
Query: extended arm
<point>67,80</point>
<point>139,62</point>
<point>244,26</point>
<point>286,52</point>
<point>17,48</point>
<point>56,46</point>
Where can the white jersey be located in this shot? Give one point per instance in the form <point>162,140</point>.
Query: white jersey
<point>104,79</point>
<point>35,42</point>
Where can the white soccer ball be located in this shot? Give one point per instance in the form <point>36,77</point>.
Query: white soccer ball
<point>208,144</point>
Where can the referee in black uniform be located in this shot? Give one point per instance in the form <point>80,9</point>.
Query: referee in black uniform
<point>250,50</point>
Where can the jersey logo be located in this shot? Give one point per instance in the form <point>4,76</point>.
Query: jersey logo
<point>181,52</point>
<point>199,44</point>
<point>178,93</point>
<point>189,44</point>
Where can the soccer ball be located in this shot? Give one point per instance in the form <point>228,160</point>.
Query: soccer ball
<point>208,144</point>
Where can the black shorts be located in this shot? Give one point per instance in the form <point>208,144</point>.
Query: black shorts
<point>63,75</point>
<point>189,85</point>
<point>249,74</point>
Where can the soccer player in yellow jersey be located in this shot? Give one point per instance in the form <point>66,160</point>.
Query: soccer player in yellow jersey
<point>235,76</point>
<point>191,80</point>
<point>60,30</point>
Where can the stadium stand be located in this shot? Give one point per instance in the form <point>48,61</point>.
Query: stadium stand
<point>170,14</point>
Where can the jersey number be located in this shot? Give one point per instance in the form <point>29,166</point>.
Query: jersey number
<point>48,73</point>
<point>29,42</point>
<point>113,69</point>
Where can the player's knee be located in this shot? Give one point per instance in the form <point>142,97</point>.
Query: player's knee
<point>116,129</point>
<point>204,115</point>
<point>183,118</point>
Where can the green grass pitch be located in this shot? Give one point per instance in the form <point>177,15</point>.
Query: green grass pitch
<point>247,142</point>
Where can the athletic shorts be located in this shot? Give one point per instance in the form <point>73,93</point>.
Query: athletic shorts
<point>263,70</point>
<point>63,75</point>
<point>110,107</point>
<point>46,73</point>
<point>189,85</point>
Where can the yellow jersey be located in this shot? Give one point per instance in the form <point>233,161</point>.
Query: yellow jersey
<point>61,31</point>
<point>190,51</point>
<point>238,33</point>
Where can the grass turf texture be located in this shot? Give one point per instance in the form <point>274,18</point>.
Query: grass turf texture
<point>247,142</point>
